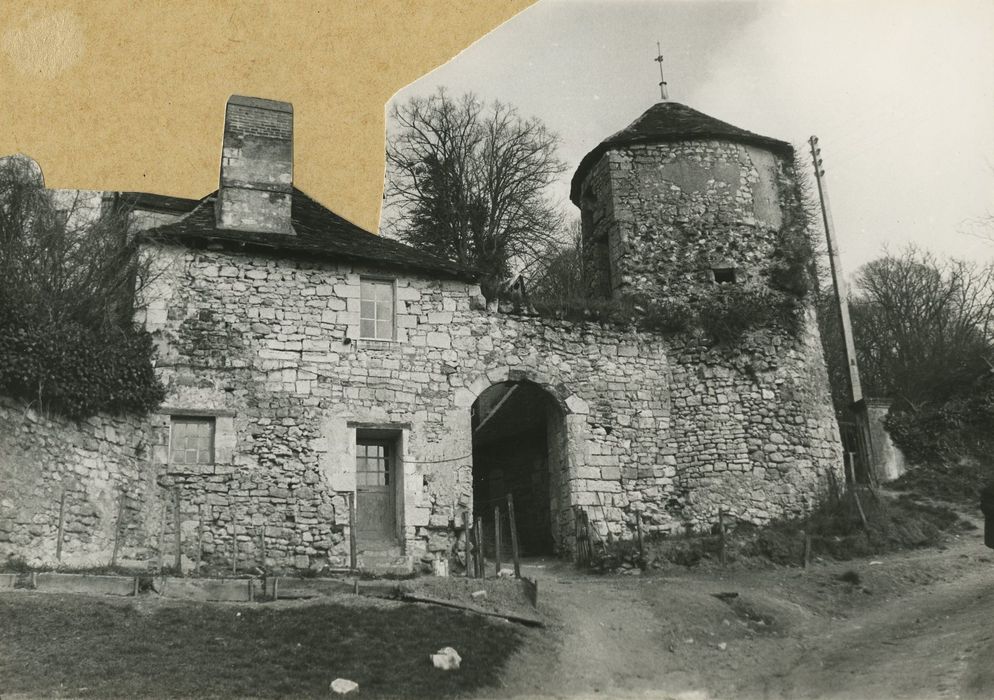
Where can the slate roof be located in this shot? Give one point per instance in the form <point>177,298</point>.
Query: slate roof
<point>321,234</point>
<point>667,122</point>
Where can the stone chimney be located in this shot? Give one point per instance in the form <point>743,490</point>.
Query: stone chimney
<point>256,166</point>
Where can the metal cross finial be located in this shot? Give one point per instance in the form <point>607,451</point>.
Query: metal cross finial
<point>662,81</point>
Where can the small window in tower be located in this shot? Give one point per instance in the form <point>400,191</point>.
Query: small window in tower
<point>724,275</point>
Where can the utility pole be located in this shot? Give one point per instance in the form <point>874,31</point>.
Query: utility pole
<point>662,81</point>
<point>838,280</point>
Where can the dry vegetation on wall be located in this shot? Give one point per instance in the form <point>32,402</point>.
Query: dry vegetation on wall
<point>722,313</point>
<point>67,281</point>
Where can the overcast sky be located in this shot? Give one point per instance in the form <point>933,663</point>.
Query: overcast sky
<point>900,94</point>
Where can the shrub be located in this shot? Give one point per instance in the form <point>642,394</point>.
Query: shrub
<point>68,278</point>
<point>945,431</point>
<point>77,370</point>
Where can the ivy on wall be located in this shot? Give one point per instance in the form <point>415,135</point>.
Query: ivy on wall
<point>74,370</point>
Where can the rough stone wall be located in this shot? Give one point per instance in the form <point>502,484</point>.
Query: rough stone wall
<point>49,463</point>
<point>673,212</point>
<point>657,424</point>
<point>270,348</point>
<point>754,430</point>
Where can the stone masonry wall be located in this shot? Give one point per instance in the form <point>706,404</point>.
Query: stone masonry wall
<point>661,425</point>
<point>271,350</point>
<point>48,464</point>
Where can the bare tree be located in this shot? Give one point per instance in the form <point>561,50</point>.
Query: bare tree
<point>61,259</point>
<point>68,276</point>
<point>468,182</point>
<point>562,274</point>
<point>922,325</point>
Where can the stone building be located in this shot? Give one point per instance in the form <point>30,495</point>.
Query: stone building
<point>310,363</point>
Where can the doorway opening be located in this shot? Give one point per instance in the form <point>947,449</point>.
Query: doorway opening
<point>377,481</point>
<point>519,447</point>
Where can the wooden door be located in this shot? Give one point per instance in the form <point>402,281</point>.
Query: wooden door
<point>376,521</point>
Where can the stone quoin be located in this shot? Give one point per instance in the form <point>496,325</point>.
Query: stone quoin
<point>310,364</point>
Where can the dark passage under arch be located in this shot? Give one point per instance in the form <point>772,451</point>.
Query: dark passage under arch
<point>518,447</point>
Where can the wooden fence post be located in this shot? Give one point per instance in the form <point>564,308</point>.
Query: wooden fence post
<point>234,542</point>
<point>466,544</point>
<point>497,539</point>
<point>851,474</point>
<point>638,534</point>
<point>62,524</point>
<point>262,545</point>
<point>353,542</point>
<point>721,535</point>
<point>179,532</point>
<point>117,529</point>
<point>200,536</point>
<point>514,536</point>
<point>162,536</point>
<point>481,560</point>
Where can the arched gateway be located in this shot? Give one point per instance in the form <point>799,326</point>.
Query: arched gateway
<point>519,447</point>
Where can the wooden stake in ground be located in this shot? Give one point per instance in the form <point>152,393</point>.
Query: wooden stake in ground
<point>262,546</point>
<point>162,536</point>
<point>480,559</point>
<point>466,544</point>
<point>234,543</point>
<point>807,549</point>
<point>638,534</point>
<point>117,529</point>
<point>62,524</point>
<point>851,478</point>
<point>200,535</point>
<point>497,540</point>
<point>353,543</point>
<point>179,533</point>
<point>514,536</point>
<point>721,535</point>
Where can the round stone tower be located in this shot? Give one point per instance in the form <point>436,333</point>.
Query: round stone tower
<point>687,212</point>
<point>678,200</point>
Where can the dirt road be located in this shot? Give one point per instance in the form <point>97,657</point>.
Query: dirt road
<point>913,625</point>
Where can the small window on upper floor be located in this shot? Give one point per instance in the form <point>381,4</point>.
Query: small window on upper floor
<point>376,313</point>
<point>191,440</point>
<point>724,275</point>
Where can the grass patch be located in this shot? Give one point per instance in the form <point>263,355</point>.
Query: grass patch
<point>73,646</point>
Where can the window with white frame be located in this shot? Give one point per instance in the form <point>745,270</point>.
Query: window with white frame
<point>191,440</point>
<point>376,309</point>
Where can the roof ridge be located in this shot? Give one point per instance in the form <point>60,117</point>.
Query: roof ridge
<point>319,233</point>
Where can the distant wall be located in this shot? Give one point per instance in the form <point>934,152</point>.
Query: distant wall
<point>86,466</point>
<point>888,460</point>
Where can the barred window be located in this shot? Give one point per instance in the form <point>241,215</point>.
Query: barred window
<point>376,312</point>
<point>191,440</point>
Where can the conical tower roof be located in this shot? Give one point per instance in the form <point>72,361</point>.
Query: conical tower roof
<point>667,122</point>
